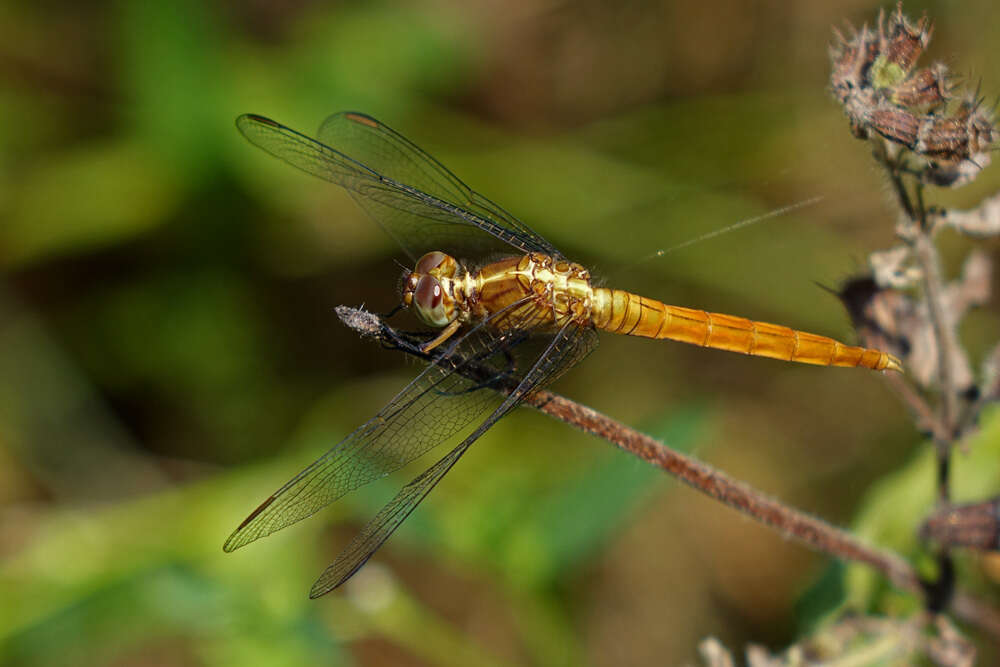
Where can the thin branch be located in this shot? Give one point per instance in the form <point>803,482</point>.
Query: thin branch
<point>946,341</point>
<point>810,530</point>
<point>925,252</point>
<point>896,178</point>
<point>927,421</point>
<point>917,230</point>
<point>922,218</point>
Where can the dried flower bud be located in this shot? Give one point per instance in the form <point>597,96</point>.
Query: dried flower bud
<point>943,139</point>
<point>876,314</point>
<point>953,175</point>
<point>975,526</point>
<point>889,320</point>
<point>897,125</point>
<point>926,89</point>
<point>981,222</point>
<point>981,129</point>
<point>966,134</point>
<point>902,43</point>
<point>852,58</point>
<point>894,268</point>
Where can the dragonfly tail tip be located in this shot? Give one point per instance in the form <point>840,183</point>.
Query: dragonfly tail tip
<point>893,364</point>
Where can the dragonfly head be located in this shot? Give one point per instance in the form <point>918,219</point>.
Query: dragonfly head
<point>424,289</point>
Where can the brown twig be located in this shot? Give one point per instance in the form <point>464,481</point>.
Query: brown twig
<point>946,341</point>
<point>810,530</point>
<point>918,234</point>
<point>926,255</point>
<point>927,420</point>
<point>896,178</point>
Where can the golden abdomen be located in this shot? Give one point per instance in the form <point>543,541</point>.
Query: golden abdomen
<point>622,312</point>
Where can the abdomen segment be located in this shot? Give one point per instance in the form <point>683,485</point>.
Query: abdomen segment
<point>622,312</point>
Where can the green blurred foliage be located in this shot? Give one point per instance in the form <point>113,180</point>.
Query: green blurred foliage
<point>169,354</point>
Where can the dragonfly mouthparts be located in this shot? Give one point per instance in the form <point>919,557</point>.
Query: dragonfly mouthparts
<point>407,285</point>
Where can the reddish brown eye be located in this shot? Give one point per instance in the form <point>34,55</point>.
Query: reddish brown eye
<point>431,260</point>
<point>428,293</point>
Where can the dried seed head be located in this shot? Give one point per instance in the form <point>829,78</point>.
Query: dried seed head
<point>884,97</point>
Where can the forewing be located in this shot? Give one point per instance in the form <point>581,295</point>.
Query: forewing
<point>564,350</point>
<point>401,162</point>
<point>421,204</point>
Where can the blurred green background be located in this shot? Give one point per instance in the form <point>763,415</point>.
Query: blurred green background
<point>169,354</point>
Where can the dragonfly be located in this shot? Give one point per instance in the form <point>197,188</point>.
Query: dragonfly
<point>498,330</point>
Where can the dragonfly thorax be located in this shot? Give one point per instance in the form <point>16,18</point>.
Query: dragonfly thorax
<point>533,290</point>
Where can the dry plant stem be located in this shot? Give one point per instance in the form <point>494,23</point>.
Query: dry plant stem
<point>741,497</point>
<point>944,337</point>
<point>789,522</point>
<point>896,179</point>
<point>944,333</point>
<point>916,231</point>
<point>927,420</point>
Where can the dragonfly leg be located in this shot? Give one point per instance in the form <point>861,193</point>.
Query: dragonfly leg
<point>445,334</point>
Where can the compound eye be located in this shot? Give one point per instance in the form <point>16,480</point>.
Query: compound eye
<point>427,296</point>
<point>430,261</point>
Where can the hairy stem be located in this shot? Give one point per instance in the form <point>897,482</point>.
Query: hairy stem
<point>917,231</point>
<point>810,530</point>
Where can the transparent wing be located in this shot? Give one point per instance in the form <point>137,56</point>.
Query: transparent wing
<point>563,351</point>
<point>432,408</point>
<point>450,395</point>
<point>421,204</point>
